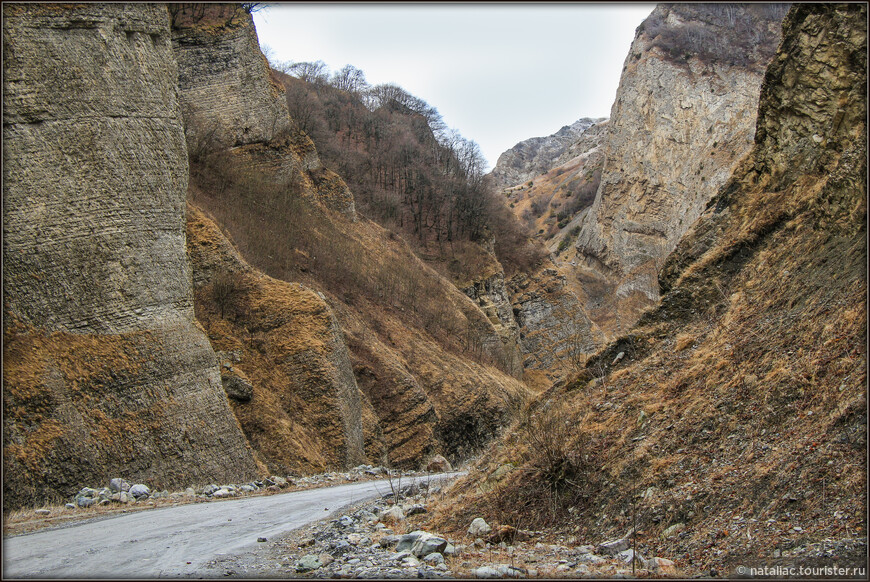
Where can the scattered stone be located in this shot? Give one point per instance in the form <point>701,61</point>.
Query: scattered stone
<point>499,571</point>
<point>223,492</point>
<point>341,548</point>
<point>415,509</point>
<point>407,541</point>
<point>389,541</point>
<point>85,501</point>
<point>479,527</point>
<point>393,515</point>
<point>673,530</point>
<point>438,464</point>
<point>613,547</point>
<point>236,385</point>
<point>662,565</point>
<point>345,521</point>
<point>308,563</point>
<point>70,506</point>
<point>42,512</point>
<point>428,544</point>
<point>209,489</point>
<point>434,559</point>
<point>618,358</point>
<point>262,540</point>
<point>281,482</point>
<point>629,556</point>
<point>140,491</point>
<point>117,485</point>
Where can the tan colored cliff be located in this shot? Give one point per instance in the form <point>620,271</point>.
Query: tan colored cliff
<point>232,105</point>
<point>684,115</point>
<point>106,373</point>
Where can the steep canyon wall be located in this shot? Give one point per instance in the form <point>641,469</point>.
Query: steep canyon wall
<point>106,372</point>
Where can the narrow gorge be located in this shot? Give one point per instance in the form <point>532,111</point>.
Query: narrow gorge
<point>651,326</point>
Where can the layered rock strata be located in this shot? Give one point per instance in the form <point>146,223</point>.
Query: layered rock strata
<point>231,101</point>
<point>105,370</point>
<point>303,411</point>
<point>492,296</point>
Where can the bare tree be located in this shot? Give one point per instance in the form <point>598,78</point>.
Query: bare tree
<point>316,72</point>
<point>349,79</point>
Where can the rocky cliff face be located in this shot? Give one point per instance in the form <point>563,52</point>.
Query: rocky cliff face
<point>555,333</point>
<point>99,328</point>
<point>540,322</point>
<point>683,117</point>
<point>232,103</point>
<point>492,296</point>
<point>536,155</point>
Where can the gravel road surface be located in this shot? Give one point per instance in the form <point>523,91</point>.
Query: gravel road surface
<point>178,541</point>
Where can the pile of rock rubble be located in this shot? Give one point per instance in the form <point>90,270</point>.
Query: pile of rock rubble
<point>367,543</point>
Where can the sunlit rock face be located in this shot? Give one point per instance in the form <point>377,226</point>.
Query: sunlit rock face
<point>534,156</point>
<point>684,116</point>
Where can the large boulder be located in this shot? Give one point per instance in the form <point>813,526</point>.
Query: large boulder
<point>479,527</point>
<point>438,464</point>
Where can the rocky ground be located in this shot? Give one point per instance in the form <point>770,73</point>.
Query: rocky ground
<point>385,539</point>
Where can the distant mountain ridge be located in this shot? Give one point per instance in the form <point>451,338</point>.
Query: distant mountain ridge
<point>536,155</point>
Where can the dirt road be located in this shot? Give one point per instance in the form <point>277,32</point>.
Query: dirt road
<point>177,541</point>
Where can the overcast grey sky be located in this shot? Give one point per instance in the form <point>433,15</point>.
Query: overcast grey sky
<point>498,73</point>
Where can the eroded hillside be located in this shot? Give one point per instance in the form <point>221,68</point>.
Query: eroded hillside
<point>375,355</point>
<point>730,424</point>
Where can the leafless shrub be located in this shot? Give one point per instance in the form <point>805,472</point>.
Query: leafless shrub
<point>228,290</point>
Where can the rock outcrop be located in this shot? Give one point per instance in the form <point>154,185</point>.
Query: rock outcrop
<point>232,103</point>
<point>684,115</point>
<point>492,297</point>
<point>536,155</point>
<point>555,334</point>
<point>105,370</point>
